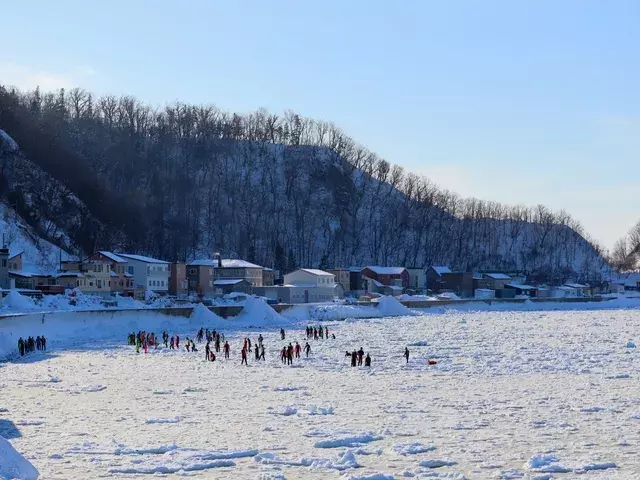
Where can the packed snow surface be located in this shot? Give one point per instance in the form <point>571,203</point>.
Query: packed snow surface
<point>514,395</point>
<point>13,465</point>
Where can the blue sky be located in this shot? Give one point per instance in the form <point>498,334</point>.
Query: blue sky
<point>515,101</point>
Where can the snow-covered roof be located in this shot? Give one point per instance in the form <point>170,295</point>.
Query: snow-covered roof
<point>319,273</point>
<point>237,263</point>
<point>576,285</point>
<point>386,270</point>
<point>112,256</point>
<point>497,276</point>
<point>113,274</point>
<point>15,254</point>
<point>226,263</point>
<point>127,274</point>
<point>520,286</point>
<point>141,258</point>
<point>394,287</point>
<point>376,283</point>
<point>484,290</point>
<point>441,269</point>
<point>228,281</point>
<point>19,273</point>
<point>68,274</point>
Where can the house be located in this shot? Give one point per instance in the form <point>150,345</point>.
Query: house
<point>356,280</point>
<point>200,277</point>
<point>268,277</point>
<point>484,293</point>
<point>15,262</point>
<point>632,281</point>
<point>387,275</point>
<point>580,289</point>
<point>393,290</point>
<point>417,279</point>
<point>229,285</point>
<point>148,273</point>
<point>293,294</point>
<point>434,279</point>
<point>343,277</point>
<point>460,283</point>
<point>95,275</point>
<point>496,281</point>
<point>178,283</point>
<point>522,289</point>
<point>4,268</point>
<point>236,268</point>
<point>310,277</point>
<point>120,281</point>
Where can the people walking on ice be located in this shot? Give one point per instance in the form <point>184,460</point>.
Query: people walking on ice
<point>298,350</point>
<point>307,349</point>
<point>282,333</point>
<point>21,346</point>
<point>326,333</point>
<point>177,342</point>
<point>367,361</point>
<point>354,358</point>
<point>172,344</point>
<point>262,357</point>
<point>360,356</point>
<point>227,350</point>
<point>207,351</point>
<point>244,357</point>
<point>406,353</point>
<point>257,352</point>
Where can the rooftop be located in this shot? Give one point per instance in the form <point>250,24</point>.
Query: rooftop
<point>319,273</point>
<point>498,276</point>
<point>441,269</point>
<point>386,270</point>
<point>141,258</point>
<point>112,256</point>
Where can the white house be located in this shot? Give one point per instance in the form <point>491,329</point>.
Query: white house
<point>310,277</point>
<point>148,273</point>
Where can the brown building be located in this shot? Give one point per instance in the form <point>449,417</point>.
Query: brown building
<point>178,283</point>
<point>200,277</point>
<point>460,283</point>
<point>226,286</point>
<point>15,262</point>
<point>387,275</point>
<point>495,281</point>
<point>343,277</point>
<point>435,281</point>
<point>268,277</point>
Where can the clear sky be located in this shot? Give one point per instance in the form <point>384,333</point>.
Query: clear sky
<point>515,101</point>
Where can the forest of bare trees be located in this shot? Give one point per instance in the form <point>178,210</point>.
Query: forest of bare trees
<point>626,252</point>
<point>182,181</point>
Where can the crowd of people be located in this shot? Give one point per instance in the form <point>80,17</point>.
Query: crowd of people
<point>31,345</point>
<point>215,342</point>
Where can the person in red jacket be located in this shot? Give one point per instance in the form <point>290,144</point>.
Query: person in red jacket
<point>227,349</point>
<point>298,350</point>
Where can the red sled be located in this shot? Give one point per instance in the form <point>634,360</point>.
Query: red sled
<point>432,362</point>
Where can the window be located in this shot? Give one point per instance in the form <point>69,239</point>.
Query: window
<point>99,283</point>
<point>130,269</point>
<point>210,283</point>
<point>193,271</point>
<point>91,284</point>
<point>4,262</point>
<point>162,283</point>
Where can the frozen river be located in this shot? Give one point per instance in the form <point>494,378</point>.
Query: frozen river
<point>513,395</point>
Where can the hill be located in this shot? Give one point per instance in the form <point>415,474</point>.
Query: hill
<point>185,181</point>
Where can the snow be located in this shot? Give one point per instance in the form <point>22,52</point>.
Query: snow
<point>112,256</point>
<point>440,270</point>
<point>386,270</point>
<point>7,142</point>
<point>13,465</point>
<point>319,273</point>
<point>141,258</point>
<point>390,307</point>
<point>497,276</point>
<point>515,394</point>
<point>18,302</point>
<point>227,281</point>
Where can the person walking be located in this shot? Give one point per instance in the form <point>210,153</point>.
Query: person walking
<point>406,353</point>
<point>360,356</point>
<point>282,333</point>
<point>307,349</point>
<point>21,346</point>
<point>367,361</point>
<point>354,358</point>
<point>244,357</point>
<point>298,350</point>
<point>257,352</point>
<point>207,351</point>
<point>262,356</point>
<point>227,350</point>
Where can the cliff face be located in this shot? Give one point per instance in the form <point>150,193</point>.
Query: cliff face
<point>187,181</point>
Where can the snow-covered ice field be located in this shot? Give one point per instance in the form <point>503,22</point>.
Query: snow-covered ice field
<point>534,395</point>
